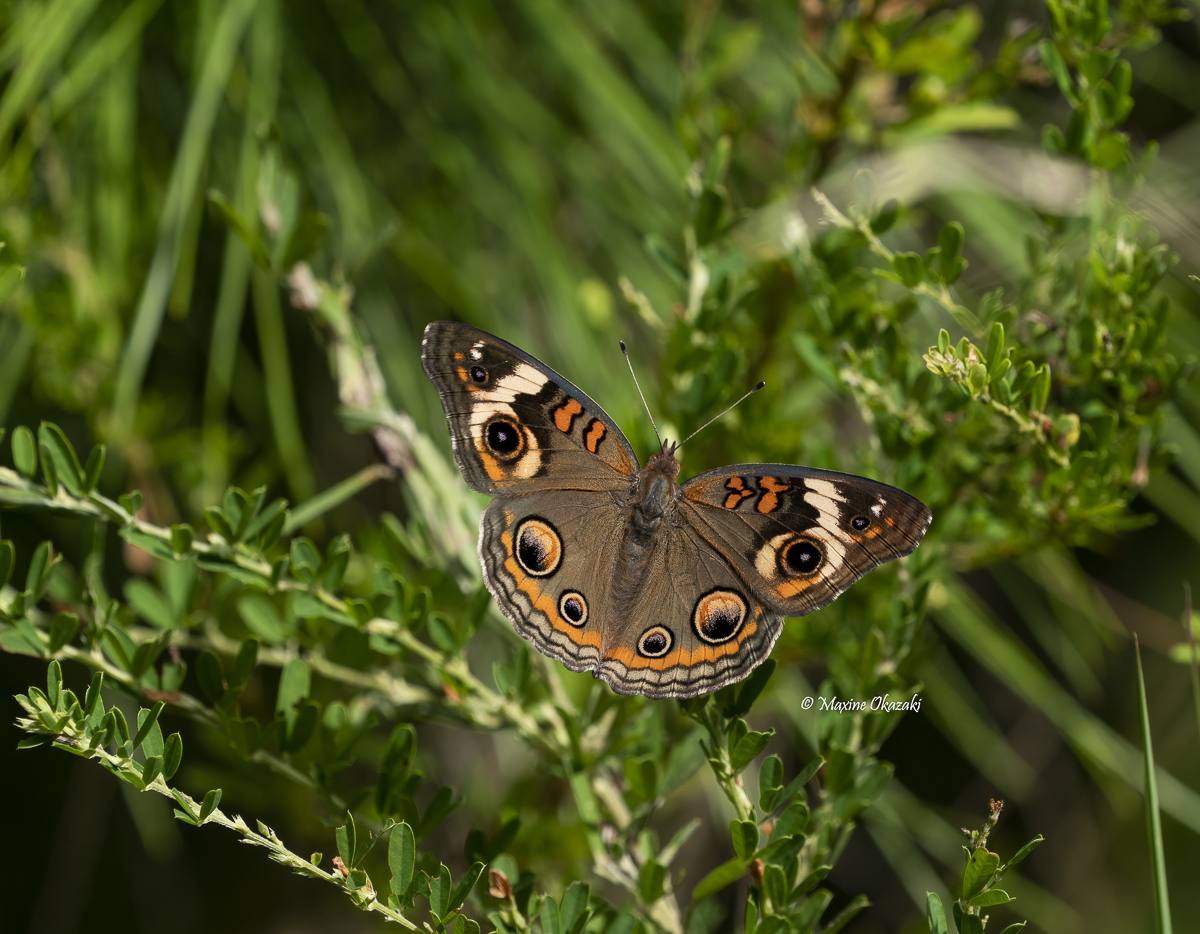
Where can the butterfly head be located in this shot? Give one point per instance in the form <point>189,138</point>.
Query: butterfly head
<point>665,461</point>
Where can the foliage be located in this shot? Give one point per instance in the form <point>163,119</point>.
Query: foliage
<point>667,154</point>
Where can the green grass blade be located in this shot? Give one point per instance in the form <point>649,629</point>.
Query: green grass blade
<point>102,56</point>
<point>329,499</point>
<point>281,397</point>
<point>186,176</point>
<point>1162,902</point>
<point>967,623</point>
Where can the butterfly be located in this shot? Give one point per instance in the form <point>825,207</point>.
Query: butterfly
<point>661,588</point>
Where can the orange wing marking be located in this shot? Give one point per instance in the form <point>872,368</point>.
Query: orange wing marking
<point>769,501</point>
<point>565,414</point>
<point>688,659</point>
<point>595,434</point>
<point>738,486</point>
<point>542,601</point>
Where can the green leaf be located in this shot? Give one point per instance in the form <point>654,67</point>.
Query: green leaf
<point>225,211</point>
<point>748,748</point>
<point>990,898</point>
<point>147,723</point>
<point>780,850</point>
<point>466,884</point>
<point>573,911</point>
<point>151,544</point>
<point>439,894</point>
<point>1022,853</point>
<point>1058,69</point>
<point>172,756</point>
<point>943,341</point>
<point>9,280</point>
<point>294,684</point>
<point>979,872</point>
<point>53,683</point>
<point>151,769</point>
<point>302,728</point>
<point>24,452</point>
<point>936,914</point>
<point>1041,390</point>
<point>63,456</point>
<point>770,784</point>
<point>306,236</point>
<point>261,618</point>
<point>651,877</point>
<point>218,522</point>
<point>744,834</point>
<point>950,242</point>
<point>8,560</point>
<point>148,602</point>
<point>995,347</point>
<point>243,666</point>
<point>39,569</point>
<point>642,775</point>
<point>402,857</point>
<point>211,800</point>
<point>346,840</point>
<point>1014,928</point>
<point>210,676</point>
<point>752,687</point>
<point>94,468</point>
<point>910,268</point>
<point>182,537</point>
<point>63,630</point>
<point>91,701</point>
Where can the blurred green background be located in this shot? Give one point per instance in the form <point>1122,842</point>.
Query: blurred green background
<point>524,166</point>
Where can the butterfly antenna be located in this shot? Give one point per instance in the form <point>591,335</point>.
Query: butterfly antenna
<point>715,417</point>
<point>625,351</point>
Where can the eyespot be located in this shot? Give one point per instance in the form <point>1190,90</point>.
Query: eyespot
<point>859,523</point>
<point>802,557</point>
<point>719,615</point>
<point>539,549</point>
<point>655,642</point>
<point>573,608</point>
<point>479,374</point>
<point>504,437</point>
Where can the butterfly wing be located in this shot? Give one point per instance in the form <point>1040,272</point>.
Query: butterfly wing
<point>800,536</point>
<point>516,425</point>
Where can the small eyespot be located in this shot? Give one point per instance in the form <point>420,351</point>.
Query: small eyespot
<point>539,548</point>
<point>479,374</point>
<point>573,608</point>
<point>719,615</point>
<point>503,437</point>
<point>859,523</point>
<point>655,642</point>
<point>803,557</point>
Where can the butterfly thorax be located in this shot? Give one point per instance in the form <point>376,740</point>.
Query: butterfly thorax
<point>655,491</point>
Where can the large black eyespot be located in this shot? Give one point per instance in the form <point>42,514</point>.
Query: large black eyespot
<point>719,615</point>
<point>573,608</point>
<point>655,642</point>
<point>539,548</point>
<point>479,374</point>
<point>803,557</point>
<point>858,523</point>
<point>503,436</point>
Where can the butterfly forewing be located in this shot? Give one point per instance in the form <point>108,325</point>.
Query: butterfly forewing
<point>801,535</point>
<point>516,425</point>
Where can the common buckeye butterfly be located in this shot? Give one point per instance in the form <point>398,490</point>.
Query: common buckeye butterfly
<point>661,588</point>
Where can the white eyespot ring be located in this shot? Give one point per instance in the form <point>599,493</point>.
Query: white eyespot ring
<point>538,547</point>
<point>573,608</point>
<point>655,642</point>
<point>719,616</point>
